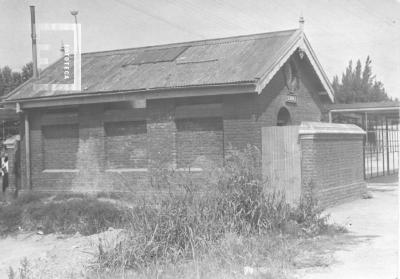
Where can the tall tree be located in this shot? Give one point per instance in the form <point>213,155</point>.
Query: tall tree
<point>27,71</point>
<point>359,85</point>
<point>9,79</point>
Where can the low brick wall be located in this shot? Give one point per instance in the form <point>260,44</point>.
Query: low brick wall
<point>326,158</point>
<point>332,160</point>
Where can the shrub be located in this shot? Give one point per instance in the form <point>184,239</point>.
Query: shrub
<point>69,215</point>
<point>86,216</point>
<point>184,226</point>
<point>69,195</point>
<point>11,214</point>
<point>30,197</point>
<point>308,213</point>
<point>10,218</point>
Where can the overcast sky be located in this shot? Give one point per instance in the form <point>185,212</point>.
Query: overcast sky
<point>339,30</point>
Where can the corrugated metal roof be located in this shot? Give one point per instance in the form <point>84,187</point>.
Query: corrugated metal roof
<point>386,104</point>
<point>218,61</point>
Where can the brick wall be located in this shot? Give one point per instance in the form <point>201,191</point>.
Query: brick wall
<point>333,163</point>
<point>307,108</point>
<point>61,146</point>
<point>126,144</point>
<point>245,115</point>
<point>119,147</point>
<point>324,158</point>
<point>199,141</point>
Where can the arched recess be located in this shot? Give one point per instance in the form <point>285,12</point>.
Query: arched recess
<point>283,117</point>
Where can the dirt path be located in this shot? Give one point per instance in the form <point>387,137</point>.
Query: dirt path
<point>51,256</point>
<point>376,220</point>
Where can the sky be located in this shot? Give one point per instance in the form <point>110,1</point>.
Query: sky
<point>339,30</point>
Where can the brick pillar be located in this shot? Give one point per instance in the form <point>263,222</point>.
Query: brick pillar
<point>332,159</point>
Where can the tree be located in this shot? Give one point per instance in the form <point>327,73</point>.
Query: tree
<point>9,79</point>
<point>27,71</point>
<point>359,85</point>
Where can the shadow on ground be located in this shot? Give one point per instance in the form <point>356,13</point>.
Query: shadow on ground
<point>394,178</point>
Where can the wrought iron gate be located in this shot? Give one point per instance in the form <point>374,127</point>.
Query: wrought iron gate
<point>381,148</point>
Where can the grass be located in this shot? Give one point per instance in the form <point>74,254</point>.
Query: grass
<point>194,228</point>
<point>233,228</point>
<point>66,213</point>
<point>277,256</point>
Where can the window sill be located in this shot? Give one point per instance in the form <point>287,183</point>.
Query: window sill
<point>189,169</point>
<point>60,171</point>
<point>128,170</point>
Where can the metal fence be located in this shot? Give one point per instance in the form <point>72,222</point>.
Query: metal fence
<point>381,148</point>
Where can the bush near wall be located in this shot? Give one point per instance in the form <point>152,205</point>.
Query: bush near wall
<point>187,226</point>
<point>38,211</point>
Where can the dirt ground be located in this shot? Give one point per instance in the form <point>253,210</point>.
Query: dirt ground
<point>376,222</point>
<point>51,256</point>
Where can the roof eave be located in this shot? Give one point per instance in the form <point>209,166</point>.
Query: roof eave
<point>130,95</point>
<point>318,68</point>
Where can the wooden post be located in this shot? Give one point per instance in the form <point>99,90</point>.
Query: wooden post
<point>366,125</point>
<point>27,152</point>
<point>387,146</point>
<point>383,148</point>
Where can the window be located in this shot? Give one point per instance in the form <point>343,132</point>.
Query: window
<point>198,141</point>
<point>60,146</point>
<point>126,144</point>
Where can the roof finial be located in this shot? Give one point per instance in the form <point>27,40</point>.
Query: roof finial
<point>75,14</point>
<point>301,22</point>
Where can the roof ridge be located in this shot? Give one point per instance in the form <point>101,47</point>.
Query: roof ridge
<point>213,41</point>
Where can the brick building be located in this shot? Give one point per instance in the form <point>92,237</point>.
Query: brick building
<point>170,104</point>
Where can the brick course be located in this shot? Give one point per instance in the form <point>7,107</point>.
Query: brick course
<point>199,139</point>
<point>126,144</point>
<point>60,141</point>
<point>334,166</point>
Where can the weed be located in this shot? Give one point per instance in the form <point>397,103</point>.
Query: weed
<point>24,271</point>
<point>69,195</point>
<point>367,195</point>
<point>30,197</point>
<point>182,227</point>
<point>84,215</point>
<point>10,218</point>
